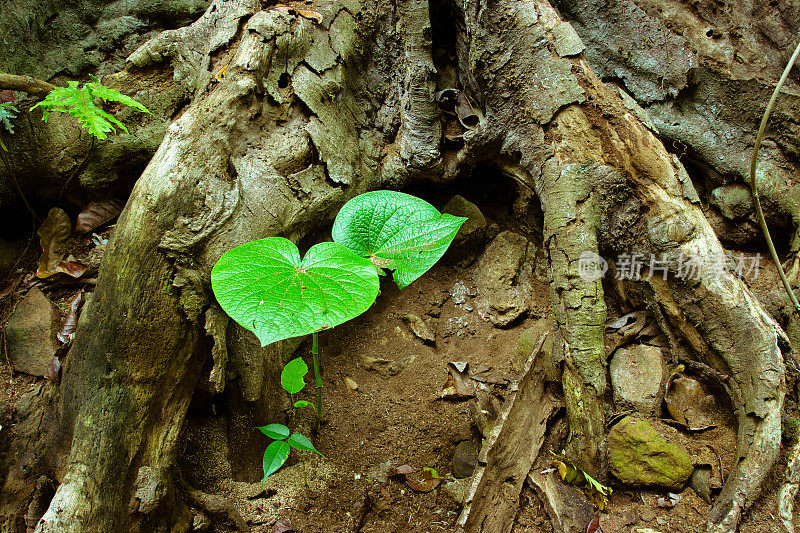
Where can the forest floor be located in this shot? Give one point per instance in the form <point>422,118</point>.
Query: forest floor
<point>387,405</point>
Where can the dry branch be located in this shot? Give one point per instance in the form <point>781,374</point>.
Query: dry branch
<point>25,84</point>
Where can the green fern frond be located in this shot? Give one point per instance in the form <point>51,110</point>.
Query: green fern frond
<point>78,102</point>
<point>110,95</point>
<point>6,115</point>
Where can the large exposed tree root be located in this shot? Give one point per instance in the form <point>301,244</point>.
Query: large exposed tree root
<point>571,138</point>
<point>288,132</point>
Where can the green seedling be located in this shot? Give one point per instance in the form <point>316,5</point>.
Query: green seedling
<point>276,454</point>
<point>268,289</point>
<point>292,380</point>
<point>79,102</point>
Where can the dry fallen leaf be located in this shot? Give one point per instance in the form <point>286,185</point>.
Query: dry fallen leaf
<point>594,526</point>
<point>351,385</point>
<point>360,510</point>
<point>72,269</point>
<point>53,235</point>
<point>97,213</point>
<point>458,386</point>
<point>690,403</point>
<point>305,13</point>
<point>465,112</point>
<point>313,15</point>
<point>446,97</point>
<point>283,526</point>
<point>425,482</point>
<point>71,322</point>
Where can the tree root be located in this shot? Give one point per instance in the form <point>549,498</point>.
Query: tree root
<point>789,490</point>
<point>492,500</point>
<point>215,504</point>
<point>576,124</point>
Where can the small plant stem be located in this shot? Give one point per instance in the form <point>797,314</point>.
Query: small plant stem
<point>754,188</point>
<point>294,411</point>
<point>317,379</point>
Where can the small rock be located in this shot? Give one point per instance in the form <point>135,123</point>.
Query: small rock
<point>473,231</point>
<point>639,456</point>
<point>502,276</point>
<point>386,367</point>
<point>689,403</point>
<point>31,333</point>
<point>457,489</point>
<point>636,375</point>
<point>701,482</point>
<point>501,264</point>
<point>465,458</point>
<point>419,328</point>
<point>733,201</point>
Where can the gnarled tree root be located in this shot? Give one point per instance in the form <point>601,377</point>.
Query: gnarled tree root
<point>568,136</point>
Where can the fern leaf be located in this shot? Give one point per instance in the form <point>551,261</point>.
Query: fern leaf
<point>110,95</point>
<point>6,115</point>
<point>79,103</point>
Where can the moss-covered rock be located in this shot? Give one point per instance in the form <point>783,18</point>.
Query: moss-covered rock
<point>639,456</point>
<point>733,201</point>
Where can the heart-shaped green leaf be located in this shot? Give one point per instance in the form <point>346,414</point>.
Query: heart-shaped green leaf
<point>274,431</point>
<point>264,286</point>
<point>396,231</point>
<point>301,442</point>
<point>292,375</point>
<point>274,456</point>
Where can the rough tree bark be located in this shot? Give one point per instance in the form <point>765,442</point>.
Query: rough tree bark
<point>289,119</point>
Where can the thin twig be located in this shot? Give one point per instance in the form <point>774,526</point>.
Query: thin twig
<point>754,190</point>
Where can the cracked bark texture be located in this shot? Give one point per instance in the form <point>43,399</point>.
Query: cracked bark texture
<point>703,71</point>
<point>265,150</point>
<point>289,119</point>
<point>555,121</point>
